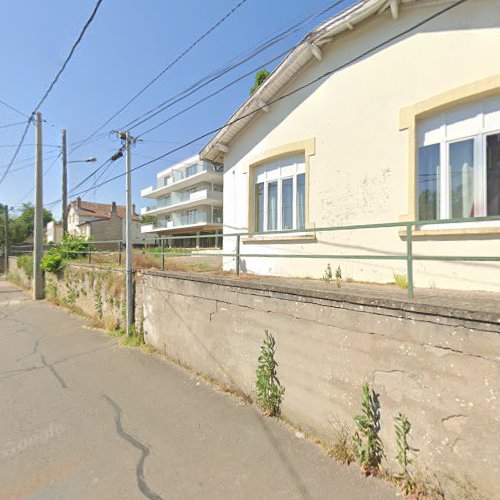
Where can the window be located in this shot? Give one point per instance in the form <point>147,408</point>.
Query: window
<point>280,195</point>
<point>493,174</point>
<point>191,170</point>
<point>458,164</point>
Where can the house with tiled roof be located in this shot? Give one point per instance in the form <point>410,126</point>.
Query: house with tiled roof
<point>102,221</point>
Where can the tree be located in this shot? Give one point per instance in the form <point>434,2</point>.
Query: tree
<point>259,79</point>
<point>22,226</point>
<point>148,219</point>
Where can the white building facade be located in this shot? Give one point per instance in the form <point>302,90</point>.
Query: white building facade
<point>188,200</point>
<point>396,118</point>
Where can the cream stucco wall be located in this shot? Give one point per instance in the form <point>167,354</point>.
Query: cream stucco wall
<point>360,170</point>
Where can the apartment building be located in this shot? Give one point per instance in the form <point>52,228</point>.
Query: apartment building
<point>187,202</point>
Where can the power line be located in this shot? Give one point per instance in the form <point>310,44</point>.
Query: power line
<point>50,87</point>
<point>249,54</point>
<point>164,70</point>
<point>14,109</point>
<point>209,96</point>
<point>69,56</point>
<point>234,63</point>
<point>13,124</point>
<point>284,96</point>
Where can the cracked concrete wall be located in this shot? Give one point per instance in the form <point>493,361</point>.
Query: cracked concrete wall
<point>442,373</point>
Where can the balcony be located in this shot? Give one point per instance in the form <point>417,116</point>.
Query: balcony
<point>181,201</point>
<point>182,179</point>
<point>178,222</point>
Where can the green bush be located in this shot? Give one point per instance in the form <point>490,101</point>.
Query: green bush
<point>52,261</point>
<point>70,248</point>
<point>269,390</point>
<point>25,262</point>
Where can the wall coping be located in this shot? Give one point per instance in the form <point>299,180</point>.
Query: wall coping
<point>336,295</point>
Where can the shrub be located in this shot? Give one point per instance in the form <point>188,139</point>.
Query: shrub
<point>52,261</point>
<point>367,443</point>
<point>70,248</point>
<point>269,390</point>
<point>25,262</point>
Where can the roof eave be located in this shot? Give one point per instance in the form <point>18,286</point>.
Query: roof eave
<point>301,55</point>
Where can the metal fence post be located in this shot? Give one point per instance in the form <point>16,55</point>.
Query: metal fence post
<point>163,254</point>
<point>89,251</point>
<point>238,255</point>
<point>409,259</point>
<point>119,253</point>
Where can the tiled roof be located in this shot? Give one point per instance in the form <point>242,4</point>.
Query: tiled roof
<point>100,210</point>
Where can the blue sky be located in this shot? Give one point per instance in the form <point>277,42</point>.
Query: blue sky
<point>128,44</point>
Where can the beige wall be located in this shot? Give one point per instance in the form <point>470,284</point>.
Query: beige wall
<point>360,170</point>
<point>440,371</point>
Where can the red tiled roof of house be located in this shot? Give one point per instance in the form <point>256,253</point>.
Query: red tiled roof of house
<point>100,210</point>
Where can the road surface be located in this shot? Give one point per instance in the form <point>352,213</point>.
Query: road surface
<point>82,417</point>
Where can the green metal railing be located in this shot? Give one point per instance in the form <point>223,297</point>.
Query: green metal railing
<point>162,243</point>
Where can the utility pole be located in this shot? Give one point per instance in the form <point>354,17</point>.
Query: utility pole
<point>128,235</point>
<point>38,291</point>
<point>6,239</point>
<point>127,140</point>
<point>64,157</point>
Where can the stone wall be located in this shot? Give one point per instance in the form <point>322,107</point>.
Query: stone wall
<point>443,373</point>
<point>94,292</point>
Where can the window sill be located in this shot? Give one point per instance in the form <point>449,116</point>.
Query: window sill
<point>459,232</point>
<point>277,238</point>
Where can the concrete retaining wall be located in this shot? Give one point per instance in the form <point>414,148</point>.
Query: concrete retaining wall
<point>97,293</point>
<point>443,373</point>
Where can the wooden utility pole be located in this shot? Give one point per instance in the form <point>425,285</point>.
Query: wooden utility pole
<point>128,236</point>
<point>38,288</point>
<point>64,157</point>
<point>6,239</point>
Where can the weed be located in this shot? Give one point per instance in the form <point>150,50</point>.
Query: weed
<point>328,275</point>
<point>111,323</point>
<point>269,390</point>
<point>70,295</point>
<point>401,280</point>
<point>405,479</point>
<point>367,443</point>
<point>52,291</point>
<point>25,262</point>
<point>341,447</point>
<point>135,339</point>
<point>98,303</point>
<point>338,276</point>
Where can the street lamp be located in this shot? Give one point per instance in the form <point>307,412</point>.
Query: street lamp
<point>92,159</point>
<point>64,155</point>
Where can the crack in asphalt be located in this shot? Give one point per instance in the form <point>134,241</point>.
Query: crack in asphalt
<point>35,348</point>
<point>54,372</point>
<point>139,469</point>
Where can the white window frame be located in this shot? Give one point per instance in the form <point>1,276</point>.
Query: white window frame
<point>440,136</point>
<point>276,175</point>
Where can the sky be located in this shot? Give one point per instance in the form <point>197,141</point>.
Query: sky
<point>126,46</point>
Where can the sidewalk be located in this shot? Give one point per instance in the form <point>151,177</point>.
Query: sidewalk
<point>83,417</point>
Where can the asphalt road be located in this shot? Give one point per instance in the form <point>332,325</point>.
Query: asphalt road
<point>84,417</point>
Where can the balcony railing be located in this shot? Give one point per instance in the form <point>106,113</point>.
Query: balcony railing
<point>179,175</point>
<point>176,198</point>
<point>188,220</point>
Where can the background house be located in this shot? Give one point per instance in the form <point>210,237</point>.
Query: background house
<point>188,198</point>
<point>54,232</point>
<point>397,118</point>
<point>102,221</point>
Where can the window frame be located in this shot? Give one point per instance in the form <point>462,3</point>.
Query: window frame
<point>438,134</point>
<point>279,182</point>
